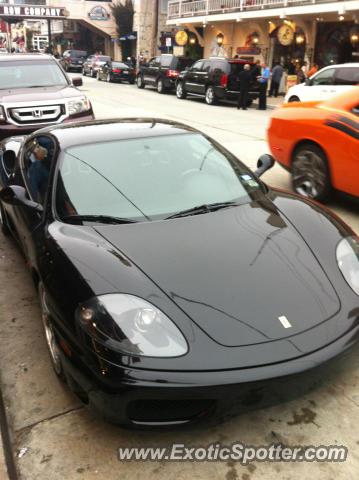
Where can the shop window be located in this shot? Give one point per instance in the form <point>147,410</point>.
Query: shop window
<point>324,78</point>
<point>347,76</point>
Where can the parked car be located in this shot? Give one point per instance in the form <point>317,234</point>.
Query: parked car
<point>93,63</point>
<point>156,292</point>
<point>215,79</point>
<point>116,71</point>
<point>73,60</point>
<point>30,100</point>
<point>162,72</point>
<point>318,142</point>
<point>325,84</point>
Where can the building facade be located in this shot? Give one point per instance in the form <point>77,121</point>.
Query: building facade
<point>87,25</point>
<point>286,31</point>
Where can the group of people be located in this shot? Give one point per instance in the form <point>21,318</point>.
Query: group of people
<point>302,70</point>
<point>263,74</point>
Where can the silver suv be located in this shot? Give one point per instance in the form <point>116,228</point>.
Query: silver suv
<point>36,92</point>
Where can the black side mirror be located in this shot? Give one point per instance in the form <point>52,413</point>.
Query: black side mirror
<point>308,82</point>
<point>77,82</point>
<point>264,163</point>
<point>16,195</point>
<point>9,159</point>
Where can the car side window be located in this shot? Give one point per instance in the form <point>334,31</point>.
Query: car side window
<point>154,62</point>
<point>324,78</point>
<point>347,76</point>
<point>37,157</point>
<point>206,67</point>
<point>197,65</point>
<point>220,65</point>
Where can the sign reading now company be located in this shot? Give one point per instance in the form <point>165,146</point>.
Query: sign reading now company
<point>29,11</point>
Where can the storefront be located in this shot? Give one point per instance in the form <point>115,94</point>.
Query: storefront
<point>337,42</point>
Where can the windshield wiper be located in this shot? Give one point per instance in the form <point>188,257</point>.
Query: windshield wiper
<point>97,218</point>
<point>211,207</point>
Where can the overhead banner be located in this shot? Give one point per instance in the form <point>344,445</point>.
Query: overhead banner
<point>28,11</point>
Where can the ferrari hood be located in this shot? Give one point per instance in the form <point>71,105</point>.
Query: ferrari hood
<point>244,275</point>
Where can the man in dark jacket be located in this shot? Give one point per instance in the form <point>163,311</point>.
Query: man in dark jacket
<point>245,79</point>
<point>277,74</point>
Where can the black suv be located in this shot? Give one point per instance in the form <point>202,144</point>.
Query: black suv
<point>214,79</point>
<point>162,72</point>
<point>73,59</point>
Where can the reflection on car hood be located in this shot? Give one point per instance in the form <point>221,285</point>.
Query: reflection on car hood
<point>38,94</point>
<point>236,272</point>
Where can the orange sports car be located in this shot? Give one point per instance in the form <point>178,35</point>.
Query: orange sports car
<point>318,142</point>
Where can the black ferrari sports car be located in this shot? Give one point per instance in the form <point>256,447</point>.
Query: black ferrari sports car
<point>170,277</point>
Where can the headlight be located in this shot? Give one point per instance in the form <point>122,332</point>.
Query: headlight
<point>2,114</point>
<point>348,261</point>
<point>130,325</point>
<point>78,105</point>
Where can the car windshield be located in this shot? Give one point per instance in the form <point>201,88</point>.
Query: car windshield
<point>150,178</point>
<point>30,73</point>
<point>103,58</point>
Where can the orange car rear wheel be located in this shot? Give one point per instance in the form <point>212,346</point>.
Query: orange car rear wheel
<point>310,172</point>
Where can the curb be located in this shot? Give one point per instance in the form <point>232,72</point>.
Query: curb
<point>5,445</point>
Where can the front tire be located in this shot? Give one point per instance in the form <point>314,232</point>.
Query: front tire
<point>98,76</point>
<point>180,91</point>
<point>210,97</point>
<point>294,98</point>
<point>140,82</point>
<point>3,223</point>
<point>53,348</point>
<point>160,86</point>
<point>310,172</point>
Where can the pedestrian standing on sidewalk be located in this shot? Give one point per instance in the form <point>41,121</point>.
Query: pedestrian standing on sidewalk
<point>313,70</point>
<point>277,74</point>
<point>256,70</point>
<point>263,85</point>
<point>245,79</point>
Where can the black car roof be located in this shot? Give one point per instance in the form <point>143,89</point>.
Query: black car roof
<point>98,131</point>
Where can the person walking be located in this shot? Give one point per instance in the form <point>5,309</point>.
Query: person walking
<point>277,74</point>
<point>263,85</point>
<point>245,79</point>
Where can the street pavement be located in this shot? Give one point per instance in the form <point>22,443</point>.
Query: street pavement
<point>53,435</point>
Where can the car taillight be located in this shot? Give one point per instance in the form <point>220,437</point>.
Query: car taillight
<point>172,73</point>
<point>224,80</point>
<point>116,70</point>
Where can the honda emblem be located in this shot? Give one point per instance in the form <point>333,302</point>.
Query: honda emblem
<point>37,113</point>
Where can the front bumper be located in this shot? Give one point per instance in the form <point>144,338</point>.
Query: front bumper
<point>146,399</point>
<point>10,130</point>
